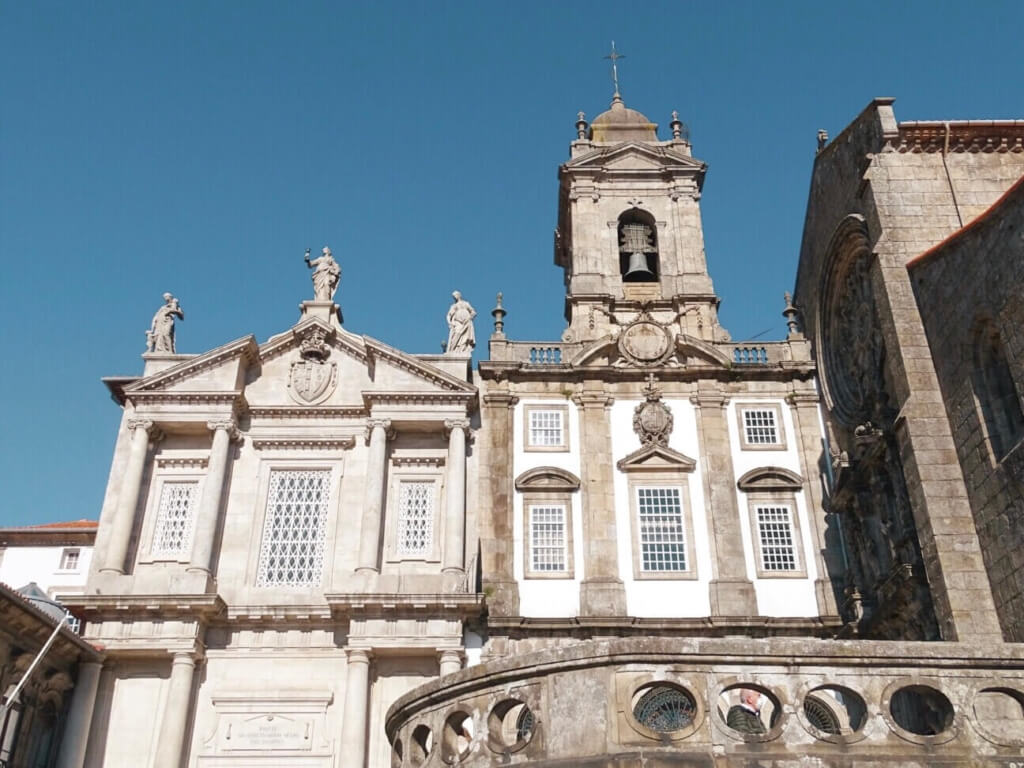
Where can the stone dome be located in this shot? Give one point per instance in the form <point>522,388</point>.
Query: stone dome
<point>619,123</point>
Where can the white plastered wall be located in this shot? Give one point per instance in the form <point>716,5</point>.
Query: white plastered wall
<point>662,598</point>
<point>782,596</point>
<point>41,564</point>
<point>547,598</point>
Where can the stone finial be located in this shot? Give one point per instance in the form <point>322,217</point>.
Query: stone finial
<point>581,125</point>
<point>822,139</point>
<point>676,125</point>
<point>160,336</point>
<point>326,275</point>
<point>499,317</point>
<point>791,313</point>
<point>461,336</point>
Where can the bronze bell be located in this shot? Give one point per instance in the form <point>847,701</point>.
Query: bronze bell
<point>638,269</point>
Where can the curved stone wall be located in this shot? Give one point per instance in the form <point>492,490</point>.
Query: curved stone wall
<point>659,703</point>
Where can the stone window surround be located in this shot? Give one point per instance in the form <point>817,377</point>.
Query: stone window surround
<point>629,682</point>
<point>65,552</point>
<point>183,472</point>
<point>639,480</point>
<point>413,473</point>
<point>561,407</point>
<point>548,499</point>
<point>317,461</point>
<point>763,498</point>
<point>780,430</point>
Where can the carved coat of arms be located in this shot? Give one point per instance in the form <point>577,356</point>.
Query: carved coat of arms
<point>644,342</point>
<point>652,419</point>
<point>312,378</point>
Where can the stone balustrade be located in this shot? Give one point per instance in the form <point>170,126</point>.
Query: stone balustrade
<point>661,702</point>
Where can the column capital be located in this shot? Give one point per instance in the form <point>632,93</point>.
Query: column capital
<point>500,399</point>
<point>358,655</point>
<point>150,427</point>
<point>711,399</point>
<point>803,399</point>
<point>450,654</point>
<point>184,657</point>
<point>228,425</point>
<point>593,399</point>
<point>450,425</point>
<point>385,424</point>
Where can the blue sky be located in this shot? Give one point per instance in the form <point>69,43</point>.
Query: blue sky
<point>200,147</point>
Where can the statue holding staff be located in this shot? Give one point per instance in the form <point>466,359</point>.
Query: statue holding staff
<point>326,275</point>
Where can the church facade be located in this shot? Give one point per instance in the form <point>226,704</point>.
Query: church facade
<point>641,544</point>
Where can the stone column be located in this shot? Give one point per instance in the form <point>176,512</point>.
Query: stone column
<point>732,593</point>
<point>495,504</point>
<point>208,513</point>
<point>378,431</point>
<point>453,556</point>
<point>171,739</point>
<point>601,592</point>
<point>76,731</point>
<point>353,724</point>
<point>128,498</point>
<point>812,447</point>
<point>450,661</point>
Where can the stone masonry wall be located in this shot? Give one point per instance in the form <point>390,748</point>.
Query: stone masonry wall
<point>992,254</point>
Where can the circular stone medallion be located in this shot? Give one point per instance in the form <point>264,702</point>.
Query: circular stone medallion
<point>645,343</point>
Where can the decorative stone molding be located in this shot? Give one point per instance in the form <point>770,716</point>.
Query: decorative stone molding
<point>310,443</point>
<point>959,136</point>
<point>417,460</point>
<point>547,479</point>
<point>418,398</point>
<point>655,457</point>
<point>652,419</point>
<point>308,412</point>
<point>181,462</point>
<point>645,342</point>
<point>245,348</point>
<point>770,479</point>
<point>415,367</point>
<point>234,399</point>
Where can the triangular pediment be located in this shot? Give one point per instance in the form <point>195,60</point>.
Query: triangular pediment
<point>634,156</point>
<point>655,457</point>
<point>219,369</point>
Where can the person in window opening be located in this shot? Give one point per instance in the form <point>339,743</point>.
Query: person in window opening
<point>745,717</point>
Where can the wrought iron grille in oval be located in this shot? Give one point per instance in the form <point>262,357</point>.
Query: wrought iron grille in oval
<point>524,724</point>
<point>821,717</point>
<point>665,708</point>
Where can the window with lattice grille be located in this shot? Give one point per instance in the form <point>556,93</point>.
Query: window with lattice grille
<point>545,428</point>
<point>415,518</point>
<point>294,532</point>
<point>775,532</point>
<point>172,534</point>
<point>548,539</point>
<point>760,426</point>
<point>661,529</point>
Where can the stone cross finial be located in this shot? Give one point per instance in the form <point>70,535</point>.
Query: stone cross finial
<point>615,56</point>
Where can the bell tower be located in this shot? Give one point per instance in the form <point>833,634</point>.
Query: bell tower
<point>629,233</point>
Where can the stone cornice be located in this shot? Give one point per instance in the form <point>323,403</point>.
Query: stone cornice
<point>405,460</point>
<point>170,461</point>
<point>234,399</point>
<point>416,367</point>
<point>959,136</point>
<point>278,612</point>
<point>245,348</point>
<point>455,605</point>
<point>418,398</point>
<point>342,442</point>
<point>127,606</point>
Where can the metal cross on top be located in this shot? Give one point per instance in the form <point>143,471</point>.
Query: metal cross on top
<point>615,56</point>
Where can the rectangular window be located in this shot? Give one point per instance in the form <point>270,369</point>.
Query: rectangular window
<point>548,539</point>
<point>760,426</point>
<point>294,532</point>
<point>775,533</point>
<point>415,518</point>
<point>172,534</point>
<point>69,559</point>
<point>661,529</point>
<point>546,429</point>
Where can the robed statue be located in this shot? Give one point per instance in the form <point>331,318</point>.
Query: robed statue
<point>326,275</point>
<point>461,337</point>
<point>160,336</point>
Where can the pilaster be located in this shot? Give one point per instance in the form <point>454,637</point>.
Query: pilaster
<point>495,502</point>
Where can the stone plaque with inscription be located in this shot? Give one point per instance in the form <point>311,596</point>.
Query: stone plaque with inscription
<point>266,733</point>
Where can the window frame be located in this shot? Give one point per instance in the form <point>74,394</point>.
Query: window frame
<point>398,474</point>
<point>531,408</point>
<point>674,481</point>
<point>185,554</point>
<point>780,429</point>
<point>316,462</point>
<point>533,499</point>
<point>787,499</point>
<point>62,568</point>
<point>171,467</point>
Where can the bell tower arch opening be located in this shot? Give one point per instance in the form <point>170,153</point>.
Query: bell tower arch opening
<point>638,247</point>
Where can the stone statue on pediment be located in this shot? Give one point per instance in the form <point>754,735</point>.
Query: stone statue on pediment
<point>326,275</point>
<point>461,336</point>
<point>160,336</point>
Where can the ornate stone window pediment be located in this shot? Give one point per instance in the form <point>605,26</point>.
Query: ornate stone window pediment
<point>770,479</point>
<point>548,479</point>
<point>654,458</point>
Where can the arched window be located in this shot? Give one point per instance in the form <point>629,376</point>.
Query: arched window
<point>638,247</point>
<point>995,391</point>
